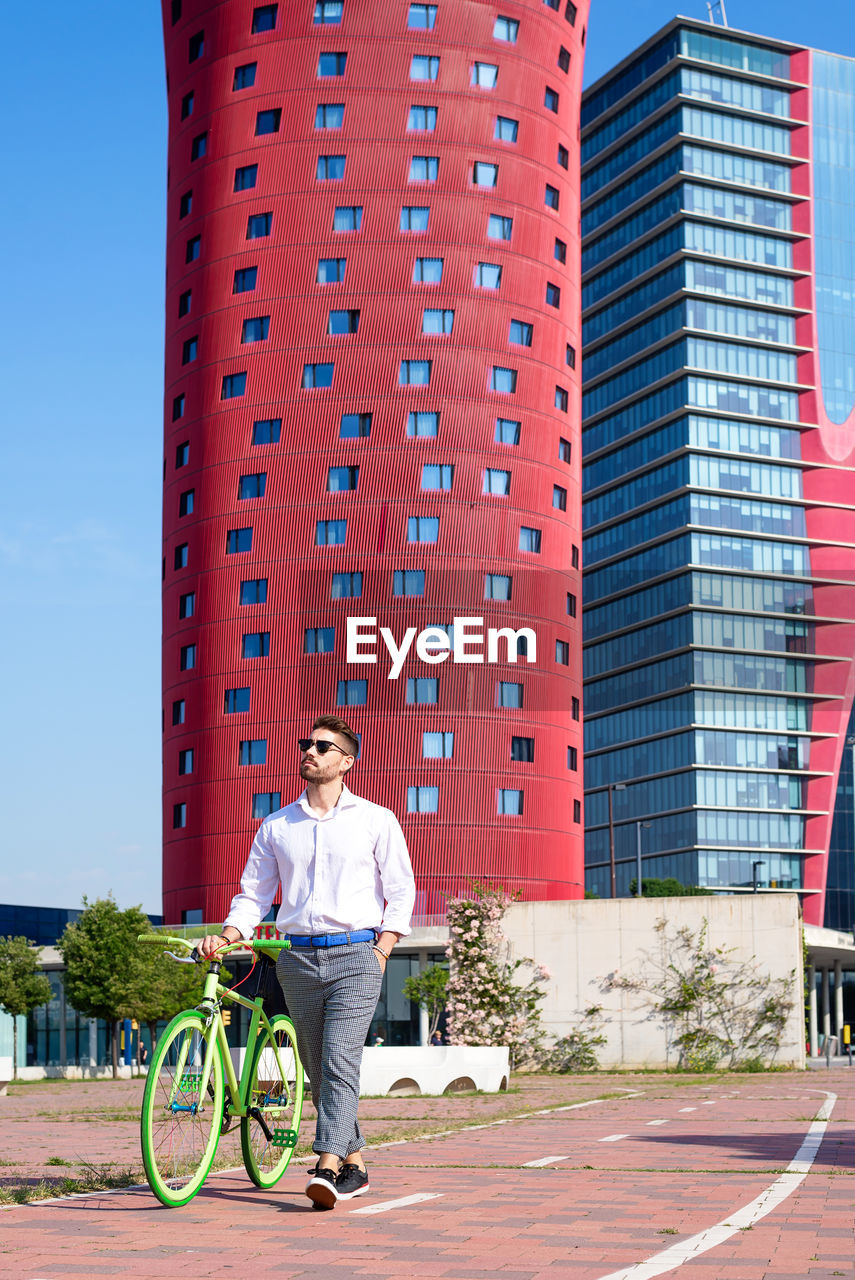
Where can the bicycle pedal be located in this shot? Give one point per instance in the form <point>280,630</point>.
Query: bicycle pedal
<point>283,1138</point>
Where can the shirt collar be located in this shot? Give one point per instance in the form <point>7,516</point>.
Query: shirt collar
<point>347,800</point>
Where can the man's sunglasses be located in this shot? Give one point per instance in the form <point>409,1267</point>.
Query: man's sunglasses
<point>321,745</point>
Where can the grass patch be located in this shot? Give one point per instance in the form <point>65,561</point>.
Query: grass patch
<point>93,1177</point>
<point>58,1160</point>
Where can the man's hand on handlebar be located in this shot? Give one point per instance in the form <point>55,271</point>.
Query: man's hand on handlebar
<point>212,943</point>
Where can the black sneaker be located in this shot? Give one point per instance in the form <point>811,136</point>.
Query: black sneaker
<point>352,1181</point>
<point>322,1190</point>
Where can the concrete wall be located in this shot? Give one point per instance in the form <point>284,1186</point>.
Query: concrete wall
<point>581,943</point>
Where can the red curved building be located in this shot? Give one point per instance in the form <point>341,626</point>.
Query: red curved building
<point>372,411</point>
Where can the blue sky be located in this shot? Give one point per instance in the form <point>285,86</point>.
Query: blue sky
<point>84,146</point>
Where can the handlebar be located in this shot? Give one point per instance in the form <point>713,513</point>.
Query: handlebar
<point>263,945</point>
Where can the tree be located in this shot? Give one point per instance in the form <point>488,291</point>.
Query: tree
<point>164,988</point>
<point>669,887</point>
<point>427,990</point>
<point>22,987</point>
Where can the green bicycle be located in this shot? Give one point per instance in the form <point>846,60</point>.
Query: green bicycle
<point>192,1093</point>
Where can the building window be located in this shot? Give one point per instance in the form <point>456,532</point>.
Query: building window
<point>509,801</point>
<point>506,29</point>
<point>252,751</point>
<point>496,482</point>
<point>427,271</point>
<point>507,431</point>
<point>331,270</point>
<point>199,146</point>
<point>530,540</point>
<point>414,217</point>
<point>255,329</point>
<point>571,605</point>
<point>184,302</point>
<point>553,295</point>
<point>245,280</point>
<point>319,640</point>
<point>266,802</point>
<point>484,75</point>
<point>485,175</point>
<point>497,586</point>
<point>317,375</point>
<point>505,129</point>
<point>346,586</point>
<point>244,77</point>
<point>424,168</point>
<point>179,711</point>
<point>234,385</point>
<point>328,12</point>
<point>421,119</point>
<point>488,275</point>
<point>330,533</point>
<point>574,557</point>
<point>253,591</point>
<point>187,605</point>
<point>176,11</point>
<point>421,17</point>
<point>252,486</point>
<point>331,64</point>
<point>438,746</point>
<point>355,426</point>
<point>414,373</point>
<point>179,816</point>
<point>560,251</point>
<point>187,660</point>
<point>562,653</point>
<point>343,322</point>
<point>342,479</point>
<point>522,749</point>
<point>352,693</point>
<point>437,476</point>
<point>422,423</point>
<point>330,168</point>
<point>502,379</point>
<point>408,582</point>
<point>255,644</point>
<point>422,799</point>
<point>185,761</point>
<point>422,529</point>
<point>266,431</point>
<point>259,225</point>
<point>264,18</point>
<point>329,115</point>
<point>189,350</point>
<point>437,321</point>
<point>550,99</point>
<point>561,399</point>
<point>570,356</point>
<point>565,450</point>
<point>573,759</point>
<point>498,227</point>
<point>196,46</point>
<point>267,122</point>
<point>181,557</point>
<point>509,693</point>
<point>563,157</point>
<point>235,701</point>
<point>246,177</point>
<point>238,541</point>
<point>574,708</point>
<point>182,454</point>
<point>186,204</point>
<point>577,810</point>
<point>559,497</point>
<point>347,217</point>
<point>550,198</point>
<point>194,248</point>
<point>521,333</point>
<point>185,502</point>
<point>564,58</point>
<point>422,691</point>
<point>570,14</point>
<point>424,67</point>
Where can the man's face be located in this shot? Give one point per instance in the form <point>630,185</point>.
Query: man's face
<point>317,767</point>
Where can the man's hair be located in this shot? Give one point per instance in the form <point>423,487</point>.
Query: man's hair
<point>337,725</point>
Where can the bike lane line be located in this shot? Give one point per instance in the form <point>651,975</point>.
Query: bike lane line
<point>385,1205</point>
<point>783,1187</point>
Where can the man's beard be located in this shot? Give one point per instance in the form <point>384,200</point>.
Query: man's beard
<point>321,772</point>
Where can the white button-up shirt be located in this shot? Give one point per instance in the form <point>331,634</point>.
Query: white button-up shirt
<point>346,870</point>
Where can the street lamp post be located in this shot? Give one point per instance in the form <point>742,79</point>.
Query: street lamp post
<point>638,825</point>
<point>613,786</point>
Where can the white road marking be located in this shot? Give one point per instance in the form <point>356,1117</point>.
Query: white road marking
<point>613,1137</point>
<point>385,1205</point>
<point>544,1160</point>
<point>657,1122</point>
<point>780,1189</point>
<point>708,1104</point>
<point>688,1108</point>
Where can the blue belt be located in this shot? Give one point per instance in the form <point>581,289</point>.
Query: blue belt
<point>330,939</point>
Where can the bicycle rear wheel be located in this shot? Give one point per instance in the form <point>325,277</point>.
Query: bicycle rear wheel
<point>268,1133</point>
<point>179,1128</point>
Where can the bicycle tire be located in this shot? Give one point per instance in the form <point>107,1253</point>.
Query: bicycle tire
<point>178,1141</point>
<point>278,1105</point>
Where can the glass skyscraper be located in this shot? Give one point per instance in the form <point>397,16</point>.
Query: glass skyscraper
<point>718,220</point>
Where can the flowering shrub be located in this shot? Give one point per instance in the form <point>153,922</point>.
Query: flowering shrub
<point>486,1004</point>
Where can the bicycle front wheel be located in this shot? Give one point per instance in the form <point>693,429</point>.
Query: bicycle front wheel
<point>268,1132</point>
<point>179,1128</point>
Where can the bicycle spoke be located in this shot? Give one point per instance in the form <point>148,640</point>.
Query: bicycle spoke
<point>275,1103</point>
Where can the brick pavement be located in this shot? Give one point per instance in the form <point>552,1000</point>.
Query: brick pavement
<point>604,1206</point>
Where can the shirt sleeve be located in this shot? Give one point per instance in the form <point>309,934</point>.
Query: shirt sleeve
<point>257,887</point>
<point>396,876</point>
